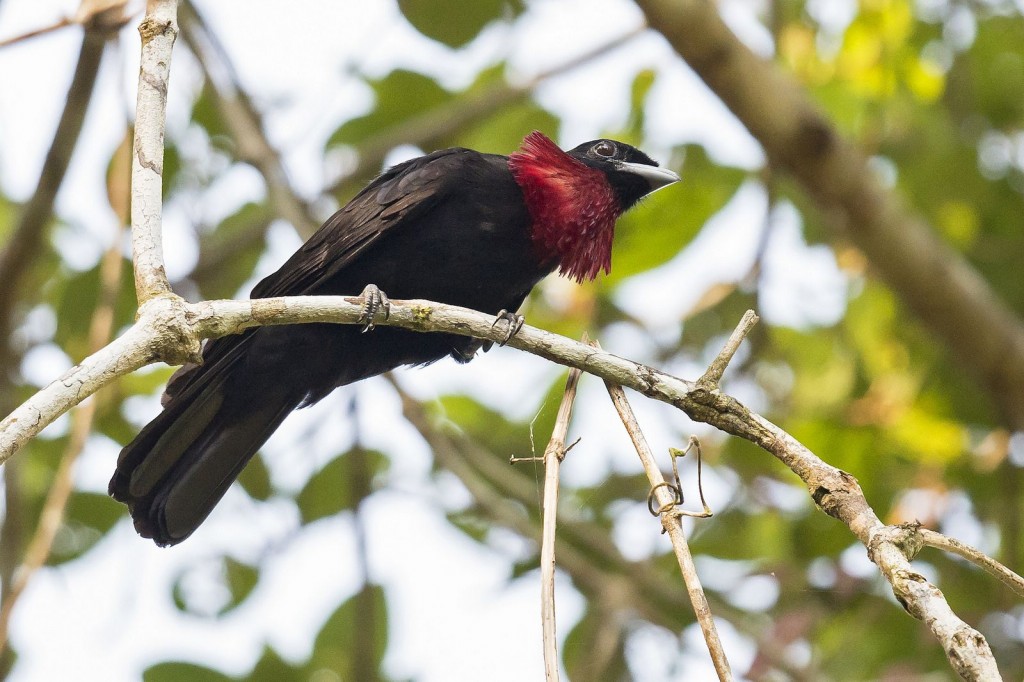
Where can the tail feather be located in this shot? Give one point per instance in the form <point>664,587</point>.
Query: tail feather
<point>177,469</point>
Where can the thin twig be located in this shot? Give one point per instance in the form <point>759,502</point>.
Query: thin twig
<point>553,455</point>
<point>715,371</point>
<point>674,527</point>
<point>158,30</point>
<point>36,32</point>
<point>976,557</point>
<point>619,588</point>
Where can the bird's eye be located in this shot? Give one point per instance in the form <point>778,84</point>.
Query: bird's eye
<point>604,148</point>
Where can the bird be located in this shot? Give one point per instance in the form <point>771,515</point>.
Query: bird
<point>456,226</point>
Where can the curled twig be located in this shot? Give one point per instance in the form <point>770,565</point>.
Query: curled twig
<point>671,524</point>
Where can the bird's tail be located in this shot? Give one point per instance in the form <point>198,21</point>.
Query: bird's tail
<point>180,465</point>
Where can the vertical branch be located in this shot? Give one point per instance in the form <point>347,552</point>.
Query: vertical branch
<point>553,455</point>
<point>158,30</point>
<point>673,526</point>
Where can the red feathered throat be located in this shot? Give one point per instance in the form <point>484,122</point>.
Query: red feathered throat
<point>572,206</point>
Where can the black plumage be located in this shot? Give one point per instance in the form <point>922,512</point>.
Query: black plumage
<point>452,226</point>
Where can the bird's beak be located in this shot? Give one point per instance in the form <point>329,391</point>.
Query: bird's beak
<point>656,176</point>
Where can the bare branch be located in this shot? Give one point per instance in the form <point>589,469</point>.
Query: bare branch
<point>976,557</point>
<point>158,30</point>
<point>553,455</point>
<point>162,332</point>
<point>674,527</point>
<point>167,324</point>
<point>983,333</point>
<point>717,368</point>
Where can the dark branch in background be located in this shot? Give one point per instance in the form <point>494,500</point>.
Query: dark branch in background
<point>101,329</point>
<point>982,332</point>
<point>20,254</point>
<point>29,235</point>
<point>245,123</point>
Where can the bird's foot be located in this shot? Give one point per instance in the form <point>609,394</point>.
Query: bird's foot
<point>514,322</point>
<point>374,300</point>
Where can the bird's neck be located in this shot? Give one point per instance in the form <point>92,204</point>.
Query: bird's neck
<point>572,208</point>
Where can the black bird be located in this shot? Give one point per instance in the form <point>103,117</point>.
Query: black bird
<point>456,226</point>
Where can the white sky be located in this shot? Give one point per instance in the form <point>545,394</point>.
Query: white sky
<point>453,614</point>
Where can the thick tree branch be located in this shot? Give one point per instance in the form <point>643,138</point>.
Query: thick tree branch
<point>158,30</point>
<point>984,335</point>
<point>171,329</point>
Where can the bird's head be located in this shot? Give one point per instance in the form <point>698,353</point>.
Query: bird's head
<point>631,173</point>
<point>575,197</point>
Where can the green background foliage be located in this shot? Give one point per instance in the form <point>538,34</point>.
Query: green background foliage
<point>933,91</point>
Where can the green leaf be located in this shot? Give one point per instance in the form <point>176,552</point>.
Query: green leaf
<point>88,517</point>
<point>74,297</point>
<point>177,672</point>
<point>229,253</point>
<point>342,484</point>
<point>988,78</point>
<point>255,479</point>
<point>454,22</point>
<point>400,95</point>
<point>353,640</point>
<point>272,668</point>
<point>241,579</point>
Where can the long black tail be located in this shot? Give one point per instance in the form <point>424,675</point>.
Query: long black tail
<point>181,464</point>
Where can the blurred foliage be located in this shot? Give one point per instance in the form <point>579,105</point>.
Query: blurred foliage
<point>933,90</point>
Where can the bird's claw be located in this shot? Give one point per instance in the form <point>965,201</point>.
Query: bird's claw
<point>374,300</point>
<point>515,323</point>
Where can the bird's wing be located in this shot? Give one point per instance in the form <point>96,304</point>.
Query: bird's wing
<point>399,196</point>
